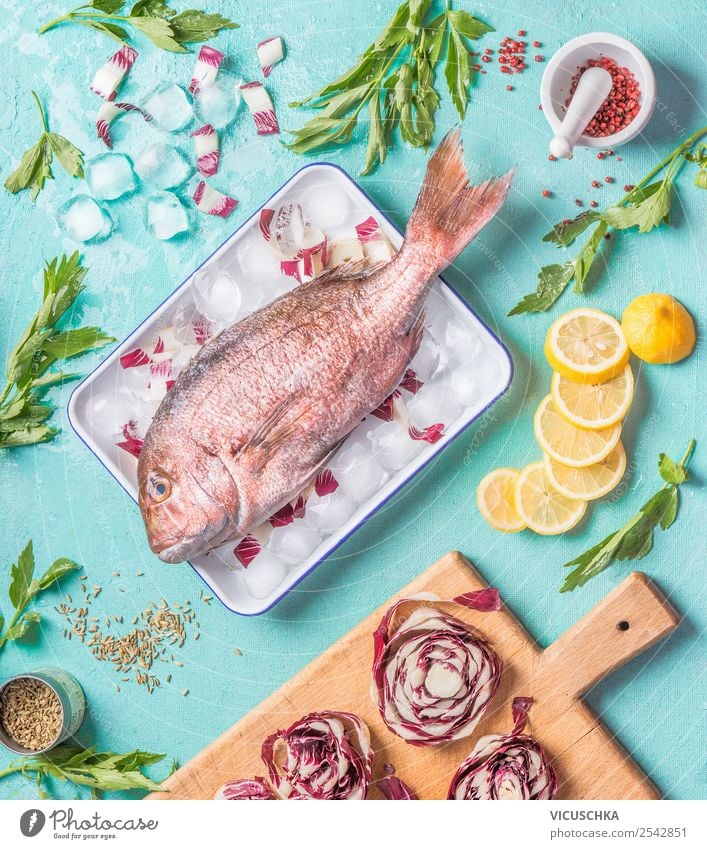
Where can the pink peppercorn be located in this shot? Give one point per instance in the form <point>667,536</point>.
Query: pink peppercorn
<point>485,58</point>
<point>552,158</point>
<point>629,187</point>
<point>600,155</point>
<point>547,193</point>
<point>577,202</point>
<point>509,88</point>
<point>608,179</point>
<point>596,184</point>
<point>607,236</point>
<point>539,59</point>
<point>593,203</point>
<point>521,32</point>
<point>537,44</point>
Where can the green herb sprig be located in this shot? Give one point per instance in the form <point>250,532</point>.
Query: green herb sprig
<point>646,206</point>
<point>24,587</point>
<point>101,771</point>
<point>635,539</point>
<point>35,166</point>
<point>162,25</point>
<point>23,412</point>
<point>395,79</point>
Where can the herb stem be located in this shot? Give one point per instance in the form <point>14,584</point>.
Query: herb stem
<point>41,112</point>
<point>687,456</point>
<point>686,145</point>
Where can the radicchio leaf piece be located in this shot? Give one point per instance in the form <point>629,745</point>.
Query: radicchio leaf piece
<point>395,788</point>
<point>325,755</point>
<point>433,675</point>
<point>245,788</point>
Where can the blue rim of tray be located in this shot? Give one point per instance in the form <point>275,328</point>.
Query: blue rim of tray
<point>397,489</point>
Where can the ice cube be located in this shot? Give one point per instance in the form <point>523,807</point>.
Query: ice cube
<point>105,415</point>
<point>264,574</point>
<point>256,260</point>
<point>162,166</point>
<point>84,220</point>
<point>110,176</point>
<point>433,404</point>
<point>217,104</point>
<point>359,474</point>
<point>142,413</point>
<point>185,353</point>
<point>327,206</point>
<point>166,217</point>
<point>462,384</point>
<point>429,359</point>
<point>393,447</point>
<point>440,316</point>
<point>134,383</point>
<point>294,543</point>
<point>331,512</point>
<point>169,107</point>
<point>189,326</point>
<point>288,228</point>
<point>488,378</point>
<point>216,294</point>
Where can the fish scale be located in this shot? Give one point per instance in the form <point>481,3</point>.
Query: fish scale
<point>254,416</point>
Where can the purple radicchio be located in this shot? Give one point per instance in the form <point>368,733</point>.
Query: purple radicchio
<point>433,675</point>
<point>325,755</point>
<point>245,788</point>
<point>395,788</point>
<point>506,766</point>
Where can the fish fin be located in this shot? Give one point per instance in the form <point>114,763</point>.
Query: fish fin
<point>449,212</point>
<point>361,268</point>
<point>269,436</point>
<point>414,335</point>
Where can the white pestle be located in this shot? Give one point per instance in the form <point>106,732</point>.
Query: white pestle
<point>593,88</point>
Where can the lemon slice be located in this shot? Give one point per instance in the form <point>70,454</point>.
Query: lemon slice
<point>495,496</point>
<point>590,482</point>
<point>570,445</point>
<point>593,406</point>
<point>542,507</point>
<point>587,346</point>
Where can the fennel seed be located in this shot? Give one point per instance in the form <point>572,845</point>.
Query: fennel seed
<point>31,713</point>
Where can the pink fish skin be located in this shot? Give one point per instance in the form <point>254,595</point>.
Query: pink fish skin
<point>253,418</point>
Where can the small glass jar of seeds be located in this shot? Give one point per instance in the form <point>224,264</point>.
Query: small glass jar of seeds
<point>39,710</point>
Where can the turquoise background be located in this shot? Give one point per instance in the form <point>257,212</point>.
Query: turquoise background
<point>59,495</point>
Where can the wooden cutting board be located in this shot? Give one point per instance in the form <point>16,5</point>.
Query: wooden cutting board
<point>589,761</point>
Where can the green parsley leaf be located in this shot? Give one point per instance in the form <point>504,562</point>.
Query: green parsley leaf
<point>635,539</point>
<point>152,9</point>
<point>23,624</point>
<point>552,282</point>
<point>652,209</point>
<point>457,72</point>
<point>564,233</point>
<point>109,7</point>
<point>21,577</point>
<point>193,25</point>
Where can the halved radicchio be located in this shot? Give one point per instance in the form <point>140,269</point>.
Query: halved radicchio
<point>245,788</point>
<point>433,675</point>
<point>506,766</point>
<point>325,755</point>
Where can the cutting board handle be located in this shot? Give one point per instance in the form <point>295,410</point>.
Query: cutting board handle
<point>632,617</point>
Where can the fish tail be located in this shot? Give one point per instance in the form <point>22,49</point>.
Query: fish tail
<point>449,212</point>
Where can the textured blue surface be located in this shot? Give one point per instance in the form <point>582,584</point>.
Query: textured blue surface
<point>61,497</point>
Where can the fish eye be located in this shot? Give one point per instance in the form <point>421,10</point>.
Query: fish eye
<point>159,488</point>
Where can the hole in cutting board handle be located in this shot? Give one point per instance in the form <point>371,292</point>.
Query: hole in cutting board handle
<point>623,625</point>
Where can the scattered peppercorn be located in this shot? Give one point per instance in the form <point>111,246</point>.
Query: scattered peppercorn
<point>521,32</point>
<point>537,44</point>
<point>577,202</point>
<point>600,155</point>
<point>596,184</point>
<point>509,88</point>
<point>552,158</point>
<point>629,187</point>
<point>593,203</point>
<point>607,236</point>
<point>547,193</point>
<point>539,59</point>
<point>608,179</point>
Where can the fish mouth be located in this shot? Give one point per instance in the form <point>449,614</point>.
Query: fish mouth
<point>175,552</point>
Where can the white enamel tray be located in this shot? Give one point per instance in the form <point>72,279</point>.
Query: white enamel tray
<point>462,366</point>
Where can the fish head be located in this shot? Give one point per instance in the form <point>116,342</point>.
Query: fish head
<point>188,501</point>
